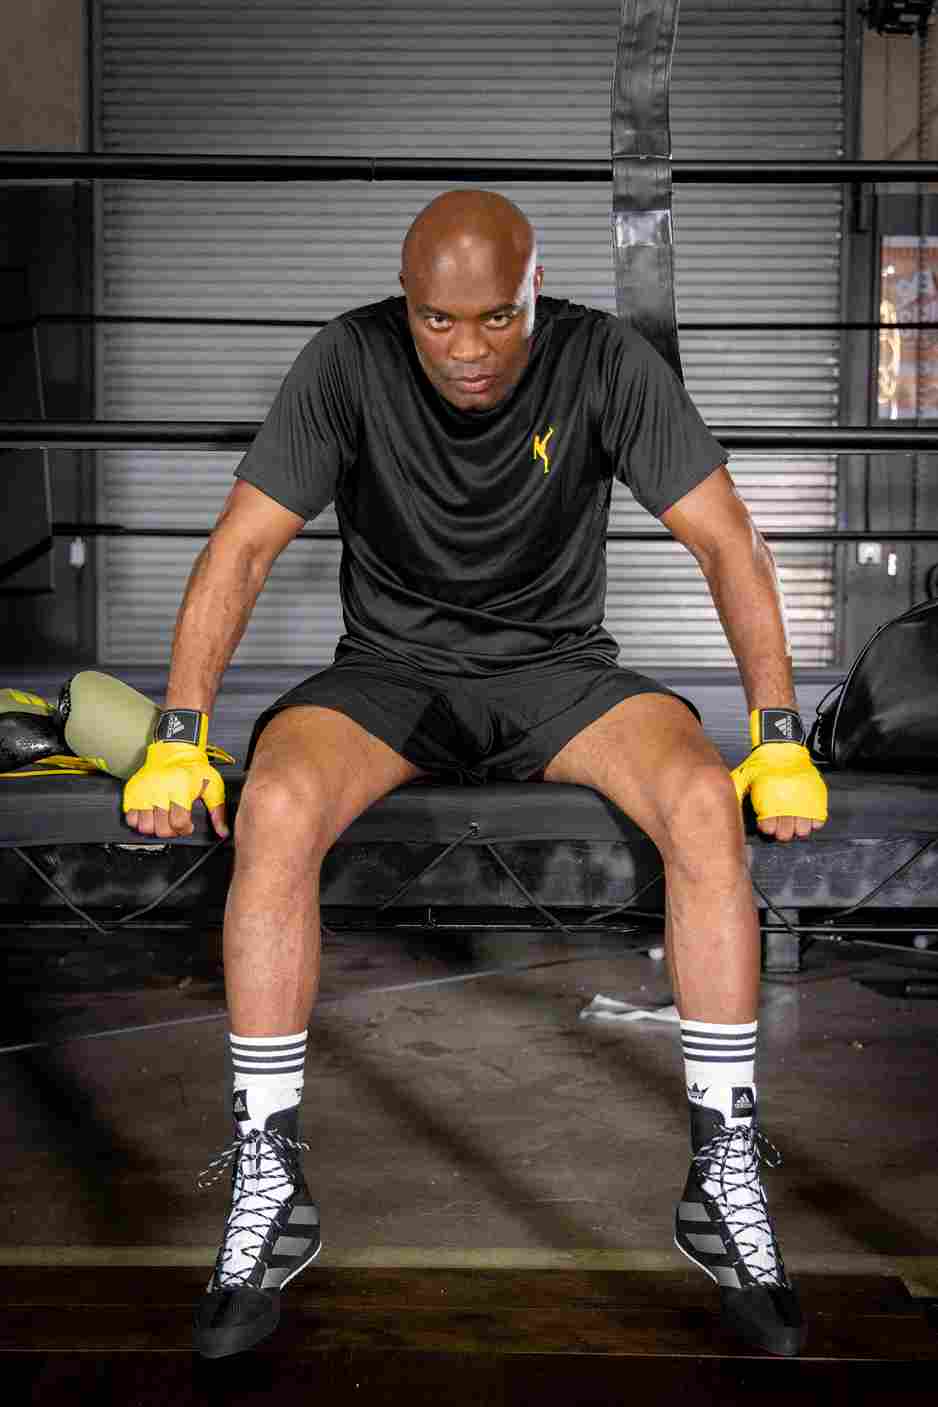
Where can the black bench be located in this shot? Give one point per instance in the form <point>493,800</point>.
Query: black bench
<point>555,850</point>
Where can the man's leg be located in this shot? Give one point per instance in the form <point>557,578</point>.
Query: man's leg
<point>314,771</point>
<point>650,756</point>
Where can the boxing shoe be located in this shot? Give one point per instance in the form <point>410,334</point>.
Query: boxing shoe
<point>271,1234</point>
<point>722,1224</point>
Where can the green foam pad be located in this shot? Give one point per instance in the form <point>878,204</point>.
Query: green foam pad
<point>109,720</point>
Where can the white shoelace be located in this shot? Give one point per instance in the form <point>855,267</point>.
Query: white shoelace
<point>262,1184</point>
<point>731,1162</point>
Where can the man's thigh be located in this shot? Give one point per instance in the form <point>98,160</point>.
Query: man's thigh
<point>645,754</point>
<point>320,761</point>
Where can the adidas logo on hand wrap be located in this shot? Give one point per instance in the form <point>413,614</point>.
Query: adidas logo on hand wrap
<point>179,725</point>
<point>779,725</point>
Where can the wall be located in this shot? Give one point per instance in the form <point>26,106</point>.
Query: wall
<point>43,96</point>
<point>899,122</point>
<point>900,97</point>
<point>45,268</point>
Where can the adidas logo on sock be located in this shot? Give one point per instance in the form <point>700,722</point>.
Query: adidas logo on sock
<point>240,1108</point>
<point>174,725</point>
<point>695,1094</point>
<point>743,1102</point>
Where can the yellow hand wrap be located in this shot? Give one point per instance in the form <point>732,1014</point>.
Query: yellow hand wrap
<point>176,771</point>
<point>780,778</point>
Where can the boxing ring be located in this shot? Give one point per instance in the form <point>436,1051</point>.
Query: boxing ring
<point>560,856</point>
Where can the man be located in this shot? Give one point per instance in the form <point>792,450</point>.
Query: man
<point>469,434</point>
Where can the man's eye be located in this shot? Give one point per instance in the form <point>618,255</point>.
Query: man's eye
<point>437,323</point>
<point>501,320</point>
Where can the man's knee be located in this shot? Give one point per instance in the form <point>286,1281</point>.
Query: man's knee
<point>701,815</point>
<point>285,810</point>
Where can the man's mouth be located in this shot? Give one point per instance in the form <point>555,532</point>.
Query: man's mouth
<point>474,383</point>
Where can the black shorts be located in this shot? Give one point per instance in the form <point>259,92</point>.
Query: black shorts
<point>504,727</point>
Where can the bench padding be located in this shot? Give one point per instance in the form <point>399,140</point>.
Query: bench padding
<point>86,810</point>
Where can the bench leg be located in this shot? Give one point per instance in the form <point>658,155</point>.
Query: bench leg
<point>782,951</point>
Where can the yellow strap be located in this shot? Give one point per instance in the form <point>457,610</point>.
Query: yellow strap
<point>57,766</point>
<point>218,754</point>
<point>754,730</point>
<point>20,696</point>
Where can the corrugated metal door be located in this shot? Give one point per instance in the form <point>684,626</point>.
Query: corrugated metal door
<point>518,78</point>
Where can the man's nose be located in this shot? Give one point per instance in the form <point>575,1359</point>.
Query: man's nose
<point>468,344</point>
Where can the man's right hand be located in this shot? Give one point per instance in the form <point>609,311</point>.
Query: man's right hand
<point>158,799</point>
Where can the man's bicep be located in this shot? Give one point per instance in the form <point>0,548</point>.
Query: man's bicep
<point>711,517</point>
<point>252,519</point>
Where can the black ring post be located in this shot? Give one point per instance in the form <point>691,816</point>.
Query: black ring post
<point>642,243</point>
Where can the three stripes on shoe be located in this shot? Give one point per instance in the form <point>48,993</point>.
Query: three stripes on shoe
<point>719,1065</point>
<point>268,1077</point>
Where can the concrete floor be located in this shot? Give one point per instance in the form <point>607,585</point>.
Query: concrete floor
<point>474,1122</point>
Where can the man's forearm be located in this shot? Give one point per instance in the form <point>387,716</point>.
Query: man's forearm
<point>219,599</point>
<point>748,598</point>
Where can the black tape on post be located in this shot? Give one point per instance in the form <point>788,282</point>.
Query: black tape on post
<point>643,251</point>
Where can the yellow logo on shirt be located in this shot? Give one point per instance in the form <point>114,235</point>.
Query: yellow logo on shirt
<point>540,448</point>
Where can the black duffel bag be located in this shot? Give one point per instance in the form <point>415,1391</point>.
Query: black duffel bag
<point>884,715</point>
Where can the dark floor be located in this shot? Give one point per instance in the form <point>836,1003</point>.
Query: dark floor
<point>474,1123</point>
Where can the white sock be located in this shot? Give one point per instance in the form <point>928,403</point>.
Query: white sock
<point>719,1068</point>
<point>268,1076</point>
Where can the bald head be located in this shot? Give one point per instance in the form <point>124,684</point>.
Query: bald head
<point>469,272</point>
<point>467,227</point>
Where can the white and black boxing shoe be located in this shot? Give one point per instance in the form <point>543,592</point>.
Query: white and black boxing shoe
<point>272,1233</point>
<point>722,1224</point>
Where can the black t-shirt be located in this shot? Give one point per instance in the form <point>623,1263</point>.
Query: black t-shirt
<point>465,550</point>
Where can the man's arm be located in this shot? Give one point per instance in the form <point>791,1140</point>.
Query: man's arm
<point>225,582</point>
<point>714,524</point>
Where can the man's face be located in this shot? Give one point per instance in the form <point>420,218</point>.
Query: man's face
<point>472,323</point>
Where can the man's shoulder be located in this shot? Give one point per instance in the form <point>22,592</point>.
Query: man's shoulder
<point>339,342</point>
<point>387,317</point>
<point>563,315</point>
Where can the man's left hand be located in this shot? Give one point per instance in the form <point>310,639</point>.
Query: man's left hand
<point>788,793</point>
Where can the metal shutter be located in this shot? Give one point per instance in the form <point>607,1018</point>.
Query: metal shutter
<point>515,78</point>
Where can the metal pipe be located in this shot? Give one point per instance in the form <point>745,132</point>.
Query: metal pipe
<point>691,325</point>
<point>82,166</point>
<point>66,529</point>
<point>234,435</point>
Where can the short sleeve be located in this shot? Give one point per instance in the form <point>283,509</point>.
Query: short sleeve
<point>650,428</point>
<point>310,433</point>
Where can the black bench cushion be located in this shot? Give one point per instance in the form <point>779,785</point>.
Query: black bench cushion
<point>86,810</point>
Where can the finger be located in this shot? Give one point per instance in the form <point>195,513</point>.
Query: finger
<point>803,827</point>
<point>816,825</point>
<point>145,823</point>
<point>781,827</point>
<point>180,819</point>
<point>162,828</point>
<point>131,817</point>
<point>220,821</point>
